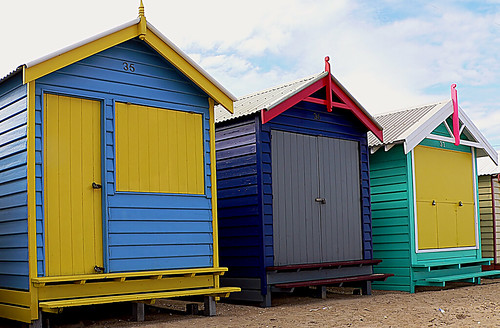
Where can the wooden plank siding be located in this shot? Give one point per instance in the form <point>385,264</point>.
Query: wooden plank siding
<point>245,192</point>
<point>14,266</point>
<point>390,217</point>
<point>147,230</point>
<point>487,211</point>
<point>240,224</point>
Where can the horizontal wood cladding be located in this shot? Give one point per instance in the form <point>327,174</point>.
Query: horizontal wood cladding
<point>489,210</point>
<point>14,264</point>
<point>391,217</point>
<point>240,232</point>
<point>151,229</point>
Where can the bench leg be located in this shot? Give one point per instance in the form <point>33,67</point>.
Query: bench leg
<point>321,292</point>
<point>138,312</point>
<point>267,299</point>
<point>210,309</point>
<point>367,288</point>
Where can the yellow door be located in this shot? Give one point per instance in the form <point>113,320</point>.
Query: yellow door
<point>445,198</point>
<point>72,163</point>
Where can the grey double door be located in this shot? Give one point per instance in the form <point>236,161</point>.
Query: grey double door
<point>316,199</point>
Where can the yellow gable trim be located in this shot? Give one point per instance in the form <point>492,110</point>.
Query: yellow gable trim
<point>72,56</point>
<point>188,70</point>
<point>31,73</point>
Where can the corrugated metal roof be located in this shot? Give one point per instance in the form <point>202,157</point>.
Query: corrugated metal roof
<point>265,99</point>
<point>14,72</point>
<point>485,166</point>
<point>397,124</point>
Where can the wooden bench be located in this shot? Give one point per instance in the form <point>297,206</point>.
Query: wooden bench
<point>334,281</point>
<point>298,267</point>
<point>458,262</point>
<point>441,281</point>
<point>54,306</point>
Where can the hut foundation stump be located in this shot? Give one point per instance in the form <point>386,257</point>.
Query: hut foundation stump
<point>138,312</point>
<point>38,323</point>
<point>367,288</point>
<point>321,292</point>
<point>210,309</point>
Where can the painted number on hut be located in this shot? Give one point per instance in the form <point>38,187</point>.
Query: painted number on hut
<point>442,144</point>
<point>317,117</point>
<point>129,67</point>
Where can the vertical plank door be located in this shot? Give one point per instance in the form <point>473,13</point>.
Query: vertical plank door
<point>72,163</point>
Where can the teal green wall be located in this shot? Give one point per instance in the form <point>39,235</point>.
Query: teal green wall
<point>390,217</point>
<point>391,179</point>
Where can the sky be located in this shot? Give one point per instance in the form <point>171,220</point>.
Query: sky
<point>389,54</point>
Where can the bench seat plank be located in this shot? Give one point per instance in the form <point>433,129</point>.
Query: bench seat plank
<point>371,277</point>
<point>323,265</point>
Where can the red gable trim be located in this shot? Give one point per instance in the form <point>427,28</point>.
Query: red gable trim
<point>365,119</point>
<point>268,115</point>
<point>304,95</point>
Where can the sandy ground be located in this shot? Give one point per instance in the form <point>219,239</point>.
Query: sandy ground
<point>461,306</point>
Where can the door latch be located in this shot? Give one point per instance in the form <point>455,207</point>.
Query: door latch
<point>98,269</point>
<point>320,200</point>
<point>96,185</point>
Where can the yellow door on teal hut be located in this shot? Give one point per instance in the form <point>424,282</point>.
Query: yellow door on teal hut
<point>444,191</point>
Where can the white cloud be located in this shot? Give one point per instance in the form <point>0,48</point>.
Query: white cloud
<point>388,54</point>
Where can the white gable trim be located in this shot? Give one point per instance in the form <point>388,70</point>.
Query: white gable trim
<point>429,122</point>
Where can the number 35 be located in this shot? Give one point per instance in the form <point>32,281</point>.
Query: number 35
<point>128,67</point>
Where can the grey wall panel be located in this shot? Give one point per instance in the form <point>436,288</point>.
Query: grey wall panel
<point>340,186</point>
<point>305,168</point>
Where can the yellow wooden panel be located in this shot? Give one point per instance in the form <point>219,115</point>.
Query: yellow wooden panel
<point>466,227</point>
<point>445,177</point>
<point>159,150</point>
<point>15,313</point>
<point>15,297</point>
<point>72,163</point>
<point>447,225</point>
<point>427,225</point>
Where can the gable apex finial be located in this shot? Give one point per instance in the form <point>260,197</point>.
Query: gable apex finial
<point>141,9</point>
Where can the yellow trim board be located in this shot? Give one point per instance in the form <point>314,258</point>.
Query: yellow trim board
<point>15,297</point>
<point>61,279</point>
<point>15,313</point>
<point>139,29</point>
<point>72,56</point>
<point>32,246</point>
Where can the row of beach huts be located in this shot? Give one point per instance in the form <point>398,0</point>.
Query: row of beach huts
<point>128,174</point>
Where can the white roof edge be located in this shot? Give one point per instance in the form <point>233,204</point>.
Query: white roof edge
<point>418,132</point>
<point>190,61</point>
<point>427,123</point>
<point>81,43</point>
<point>492,153</point>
